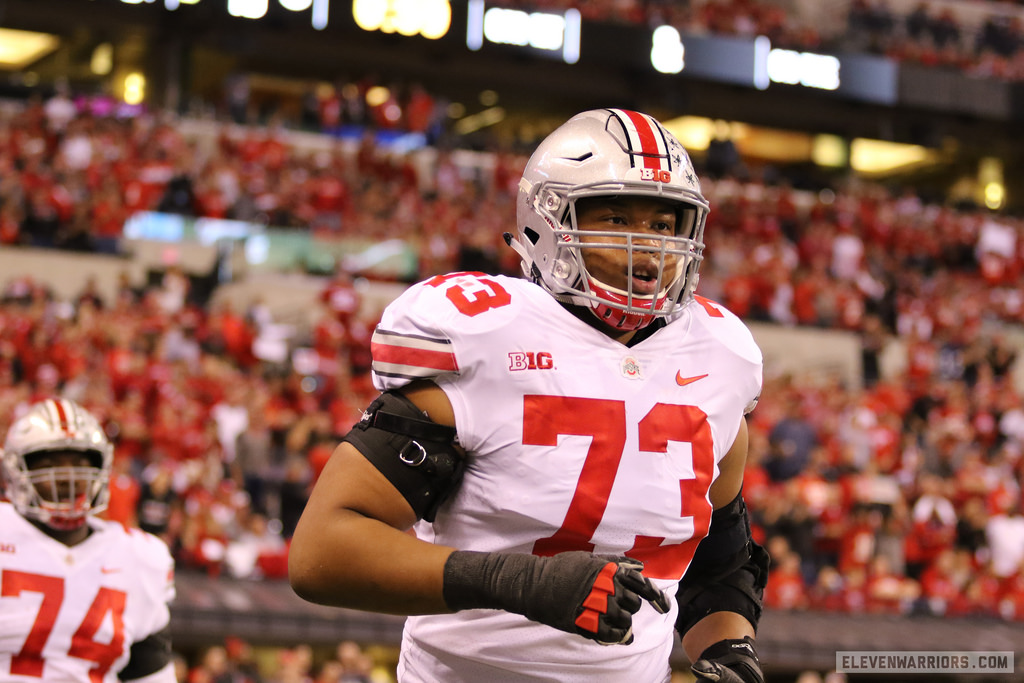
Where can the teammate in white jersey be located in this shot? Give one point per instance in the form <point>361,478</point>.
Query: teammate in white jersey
<point>560,444</point>
<point>82,600</point>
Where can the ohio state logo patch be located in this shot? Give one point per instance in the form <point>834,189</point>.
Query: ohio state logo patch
<point>630,368</point>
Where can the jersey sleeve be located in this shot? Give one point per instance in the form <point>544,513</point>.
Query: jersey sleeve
<point>734,336</point>
<point>421,333</point>
<point>412,341</point>
<point>156,585</point>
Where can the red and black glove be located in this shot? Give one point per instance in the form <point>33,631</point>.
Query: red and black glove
<point>576,592</point>
<point>729,661</point>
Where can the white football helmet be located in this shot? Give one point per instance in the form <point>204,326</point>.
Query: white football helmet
<point>60,497</point>
<point>609,152</point>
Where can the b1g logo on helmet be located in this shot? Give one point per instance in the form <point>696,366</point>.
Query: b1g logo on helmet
<point>528,360</point>
<point>656,175</point>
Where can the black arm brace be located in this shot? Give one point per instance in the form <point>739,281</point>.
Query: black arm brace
<point>148,656</point>
<point>728,573</point>
<point>416,454</point>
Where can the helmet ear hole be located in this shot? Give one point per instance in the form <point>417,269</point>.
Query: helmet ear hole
<point>531,234</point>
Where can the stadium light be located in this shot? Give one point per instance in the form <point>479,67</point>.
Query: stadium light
<point>18,49</point>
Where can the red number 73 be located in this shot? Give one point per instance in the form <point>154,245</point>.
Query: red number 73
<point>547,417</point>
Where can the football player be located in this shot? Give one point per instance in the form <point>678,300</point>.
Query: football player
<point>568,447</point>
<point>81,599</point>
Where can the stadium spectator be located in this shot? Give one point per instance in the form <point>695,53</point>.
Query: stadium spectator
<point>213,667</point>
<point>1005,535</point>
<point>124,493</point>
<point>356,666</point>
<point>786,589</point>
<point>258,551</point>
<point>159,506</point>
<point>886,591</point>
<point>943,581</point>
<point>792,439</point>
<point>933,524</point>
<point>257,466</point>
<point>827,592</point>
<point>980,597</point>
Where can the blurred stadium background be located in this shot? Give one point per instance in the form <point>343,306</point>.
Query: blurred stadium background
<point>204,205</point>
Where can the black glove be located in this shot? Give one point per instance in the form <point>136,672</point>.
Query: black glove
<point>729,661</point>
<point>576,592</point>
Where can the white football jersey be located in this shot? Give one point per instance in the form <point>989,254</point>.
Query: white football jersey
<point>575,442</point>
<point>72,614</point>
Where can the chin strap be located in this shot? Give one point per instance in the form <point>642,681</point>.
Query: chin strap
<point>515,244</point>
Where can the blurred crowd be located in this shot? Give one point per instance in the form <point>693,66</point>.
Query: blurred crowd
<point>72,181</point>
<point>238,661</point>
<point>771,18</point>
<point>986,42</point>
<point>903,495</point>
<point>936,34</point>
<point>900,494</point>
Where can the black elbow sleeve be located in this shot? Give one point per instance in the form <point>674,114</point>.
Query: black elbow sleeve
<point>728,573</point>
<point>148,656</point>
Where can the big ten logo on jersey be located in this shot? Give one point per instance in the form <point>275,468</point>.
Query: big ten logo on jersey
<point>528,360</point>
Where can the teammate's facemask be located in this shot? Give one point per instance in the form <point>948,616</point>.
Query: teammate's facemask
<point>44,480</point>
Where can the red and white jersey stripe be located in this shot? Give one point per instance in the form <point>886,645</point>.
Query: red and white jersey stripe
<point>411,356</point>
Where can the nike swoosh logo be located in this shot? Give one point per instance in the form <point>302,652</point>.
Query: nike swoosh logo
<point>110,570</point>
<point>683,381</point>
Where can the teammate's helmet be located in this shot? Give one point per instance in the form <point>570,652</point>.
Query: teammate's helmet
<point>60,497</point>
<point>609,152</point>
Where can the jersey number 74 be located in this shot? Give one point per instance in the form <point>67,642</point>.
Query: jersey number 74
<point>29,661</point>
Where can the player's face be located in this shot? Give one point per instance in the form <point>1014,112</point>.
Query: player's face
<point>647,219</point>
<point>60,487</point>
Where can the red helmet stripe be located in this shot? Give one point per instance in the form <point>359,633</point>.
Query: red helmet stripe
<point>62,416</point>
<point>652,154</point>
